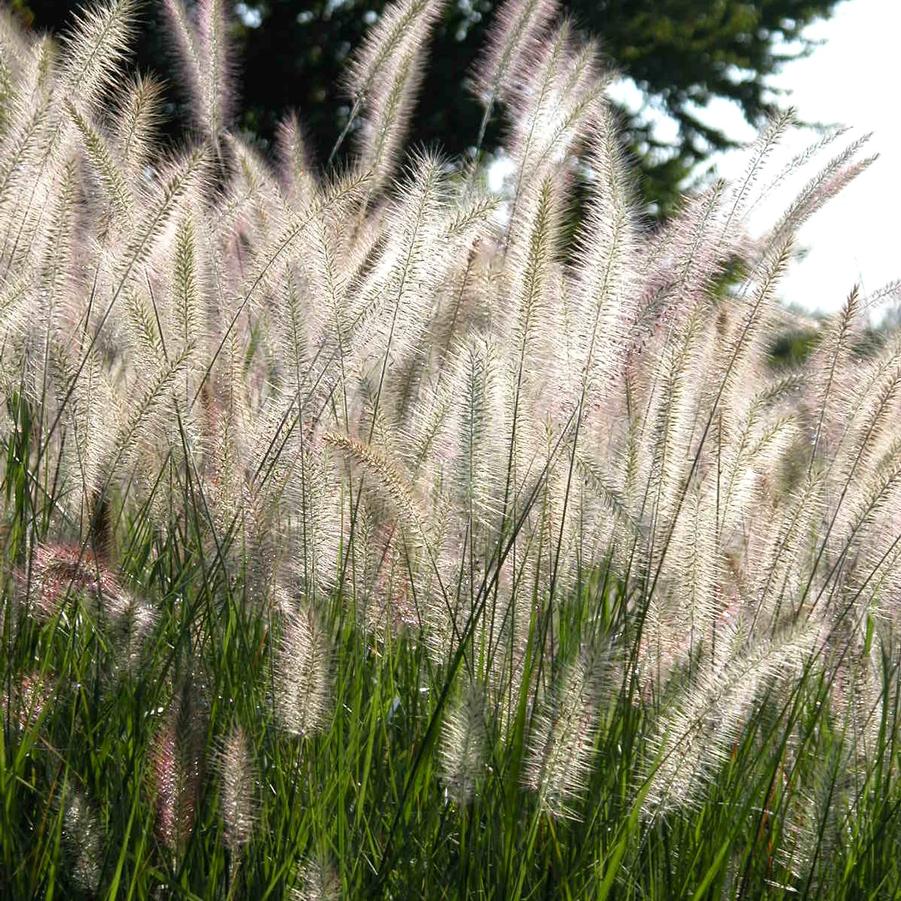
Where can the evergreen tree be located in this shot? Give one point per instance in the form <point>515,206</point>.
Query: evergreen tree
<point>681,53</point>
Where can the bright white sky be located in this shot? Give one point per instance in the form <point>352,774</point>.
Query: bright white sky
<point>853,80</point>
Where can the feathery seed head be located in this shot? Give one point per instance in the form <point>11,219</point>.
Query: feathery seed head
<point>238,801</point>
<point>302,670</point>
<point>29,699</point>
<point>83,840</point>
<point>515,43</point>
<point>165,775</point>
<point>60,569</point>
<point>562,741</point>
<point>464,745</point>
<point>316,881</point>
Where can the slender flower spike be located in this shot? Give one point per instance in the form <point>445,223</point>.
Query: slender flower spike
<point>238,798</point>
<point>514,45</point>
<point>165,768</point>
<point>302,675</point>
<point>562,742</point>
<point>464,745</point>
<point>84,842</point>
<point>204,54</point>
<point>316,881</point>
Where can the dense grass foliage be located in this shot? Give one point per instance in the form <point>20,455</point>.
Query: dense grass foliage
<point>368,533</point>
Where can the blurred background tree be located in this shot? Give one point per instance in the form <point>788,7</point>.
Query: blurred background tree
<point>681,54</point>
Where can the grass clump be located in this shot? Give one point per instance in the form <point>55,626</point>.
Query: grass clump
<point>368,533</point>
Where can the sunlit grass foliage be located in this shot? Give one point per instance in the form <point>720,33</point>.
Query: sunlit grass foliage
<point>370,533</point>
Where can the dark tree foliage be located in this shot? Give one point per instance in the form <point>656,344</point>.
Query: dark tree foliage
<point>681,53</point>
